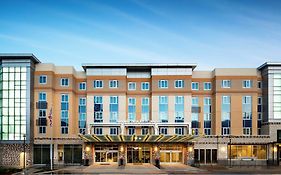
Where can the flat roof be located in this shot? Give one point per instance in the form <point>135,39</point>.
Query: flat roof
<point>19,56</point>
<point>139,65</point>
<point>269,64</point>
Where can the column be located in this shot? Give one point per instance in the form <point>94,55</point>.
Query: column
<point>55,153</point>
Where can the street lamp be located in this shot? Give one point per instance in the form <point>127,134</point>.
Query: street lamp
<point>24,136</point>
<point>230,151</point>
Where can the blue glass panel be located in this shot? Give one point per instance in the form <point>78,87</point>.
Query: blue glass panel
<point>113,107</point>
<point>194,124</point>
<point>82,109</point>
<point>132,109</point>
<point>64,106</point>
<point>207,124</point>
<point>225,123</point>
<point>247,123</point>
<point>259,124</point>
<point>64,122</point>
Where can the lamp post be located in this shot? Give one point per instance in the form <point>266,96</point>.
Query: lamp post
<point>230,151</point>
<point>24,136</point>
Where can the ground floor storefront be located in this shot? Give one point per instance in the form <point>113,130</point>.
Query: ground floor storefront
<point>136,153</point>
<point>220,150</point>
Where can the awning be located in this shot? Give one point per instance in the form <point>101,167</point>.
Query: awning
<point>137,138</point>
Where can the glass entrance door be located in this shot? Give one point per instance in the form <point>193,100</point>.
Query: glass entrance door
<point>171,156</point>
<point>138,154</point>
<point>106,156</point>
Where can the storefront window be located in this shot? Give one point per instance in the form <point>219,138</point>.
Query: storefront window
<point>251,151</point>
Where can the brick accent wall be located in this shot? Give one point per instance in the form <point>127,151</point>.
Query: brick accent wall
<point>10,155</point>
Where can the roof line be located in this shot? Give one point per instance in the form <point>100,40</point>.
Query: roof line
<point>132,65</point>
<point>20,56</point>
<point>269,64</point>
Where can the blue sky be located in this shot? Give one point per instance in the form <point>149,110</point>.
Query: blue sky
<point>211,33</point>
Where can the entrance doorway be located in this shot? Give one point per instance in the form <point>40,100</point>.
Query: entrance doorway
<point>106,156</point>
<point>138,154</point>
<point>171,156</point>
<point>106,153</point>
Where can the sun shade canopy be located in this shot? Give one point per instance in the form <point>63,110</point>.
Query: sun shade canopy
<point>137,138</point>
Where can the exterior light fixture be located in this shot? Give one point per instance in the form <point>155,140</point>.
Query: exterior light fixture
<point>88,148</point>
<point>155,148</point>
<point>122,149</point>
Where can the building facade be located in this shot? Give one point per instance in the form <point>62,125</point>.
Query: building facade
<point>138,113</point>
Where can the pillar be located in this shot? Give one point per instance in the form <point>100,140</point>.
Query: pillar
<point>55,153</point>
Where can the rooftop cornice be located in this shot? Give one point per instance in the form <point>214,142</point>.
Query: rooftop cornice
<point>269,64</point>
<point>20,56</point>
<point>138,65</point>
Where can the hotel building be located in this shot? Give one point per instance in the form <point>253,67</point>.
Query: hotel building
<point>138,113</point>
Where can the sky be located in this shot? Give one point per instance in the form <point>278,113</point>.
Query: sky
<point>210,33</point>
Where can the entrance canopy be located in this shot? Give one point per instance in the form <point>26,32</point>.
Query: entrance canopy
<point>137,138</point>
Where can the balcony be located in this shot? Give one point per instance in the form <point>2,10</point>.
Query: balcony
<point>41,122</point>
<point>41,105</point>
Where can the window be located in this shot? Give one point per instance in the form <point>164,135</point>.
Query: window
<point>247,83</point>
<point>179,83</point>
<point>247,131</point>
<point>144,131</point>
<point>207,115</point>
<point>113,109</point>
<point>98,131</point>
<point>225,84</point>
<point>179,108</point>
<point>42,129</point>
<point>195,109</point>
<point>163,84</point>
<point>207,86</point>
<point>163,108</point>
<point>179,131</point>
<point>241,151</point>
<point>145,86</point>
<point>225,115</point>
<point>131,86</point>
<point>207,131</point>
<point>163,130</point>
<point>131,109</point>
<point>247,114</point>
<point>42,115</point>
<point>131,131</point>
<point>113,131</point>
<point>145,109</point>
<point>195,86</point>
<point>225,131</point>
<point>82,115</point>
<point>113,84</point>
<point>13,118</point>
<point>42,96</point>
<point>82,86</point>
<point>259,84</point>
<point>42,79</point>
<point>98,84</point>
<point>195,101</point>
<point>247,99</point>
<point>226,99</point>
<point>64,113</point>
<point>259,113</point>
<point>98,109</point>
<point>64,81</point>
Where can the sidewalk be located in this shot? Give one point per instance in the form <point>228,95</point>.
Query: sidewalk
<point>242,169</point>
<point>129,169</point>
